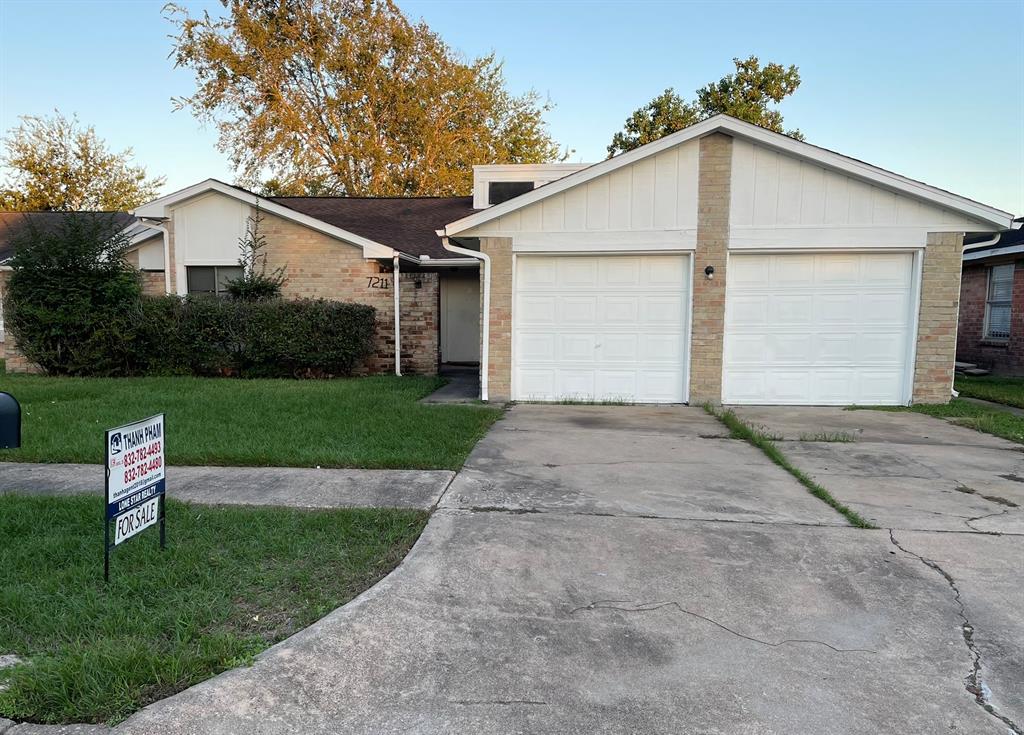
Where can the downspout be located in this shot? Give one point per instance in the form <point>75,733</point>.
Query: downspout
<point>398,322</point>
<point>486,336</point>
<point>167,253</point>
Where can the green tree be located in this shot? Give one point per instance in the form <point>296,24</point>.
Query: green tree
<point>746,94</point>
<point>55,164</point>
<point>256,283</point>
<point>72,301</point>
<point>348,97</point>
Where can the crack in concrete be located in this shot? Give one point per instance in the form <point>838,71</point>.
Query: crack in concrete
<point>969,521</point>
<point>973,681</point>
<point>499,702</point>
<point>652,606</point>
<point>961,488</point>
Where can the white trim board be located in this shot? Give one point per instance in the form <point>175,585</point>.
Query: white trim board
<point>158,209</point>
<point>732,126</point>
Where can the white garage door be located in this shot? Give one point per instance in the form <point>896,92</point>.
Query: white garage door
<point>601,328</point>
<point>818,329</point>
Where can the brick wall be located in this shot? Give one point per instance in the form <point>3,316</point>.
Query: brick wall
<point>318,266</point>
<point>937,326</point>
<point>499,374</point>
<point>15,362</point>
<point>712,245</point>
<point>971,346</point>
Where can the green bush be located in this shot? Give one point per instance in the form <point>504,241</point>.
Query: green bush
<point>253,339</point>
<point>72,300</point>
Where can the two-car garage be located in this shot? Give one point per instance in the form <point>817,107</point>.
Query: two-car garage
<point>800,328</point>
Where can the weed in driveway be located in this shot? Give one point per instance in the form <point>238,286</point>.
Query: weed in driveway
<point>740,430</point>
<point>829,436</point>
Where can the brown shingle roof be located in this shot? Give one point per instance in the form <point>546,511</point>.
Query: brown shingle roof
<point>408,224</point>
<point>13,224</point>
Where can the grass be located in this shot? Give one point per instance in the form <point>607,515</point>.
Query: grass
<point>373,422</point>
<point>740,430</point>
<point>232,582</point>
<point>1008,391</point>
<point>841,437</point>
<point>964,413</point>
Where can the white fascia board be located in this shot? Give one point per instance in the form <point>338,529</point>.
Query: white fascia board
<point>993,252</point>
<point>157,209</point>
<point>730,125</point>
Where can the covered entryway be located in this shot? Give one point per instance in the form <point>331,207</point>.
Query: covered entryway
<point>460,319</point>
<point>818,328</point>
<point>602,328</point>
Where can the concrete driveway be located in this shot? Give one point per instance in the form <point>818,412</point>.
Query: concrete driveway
<point>613,570</point>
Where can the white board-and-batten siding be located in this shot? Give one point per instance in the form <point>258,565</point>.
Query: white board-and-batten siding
<point>782,201</point>
<point>649,205</point>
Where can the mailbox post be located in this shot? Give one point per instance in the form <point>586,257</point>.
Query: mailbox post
<point>10,422</point>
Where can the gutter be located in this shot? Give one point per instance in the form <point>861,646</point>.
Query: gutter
<point>167,250</point>
<point>486,336</point>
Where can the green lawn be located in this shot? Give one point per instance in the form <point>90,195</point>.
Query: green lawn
<point>971,415</point>
<point>360,422</point>
<point>232,582</point>
<point>1009,391</point>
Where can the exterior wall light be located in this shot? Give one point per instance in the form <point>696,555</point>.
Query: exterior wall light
<point>709,272</point>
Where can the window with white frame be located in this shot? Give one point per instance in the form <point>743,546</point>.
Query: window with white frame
<point>997,304</point>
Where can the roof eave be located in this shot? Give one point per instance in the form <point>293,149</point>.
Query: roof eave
<point>158,209</point>
<point>732,126</point>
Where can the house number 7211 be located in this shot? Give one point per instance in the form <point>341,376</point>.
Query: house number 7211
<point>378,282</point>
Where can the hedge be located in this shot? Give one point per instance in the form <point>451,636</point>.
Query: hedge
<point>252,339</point>
<point>208,336</point>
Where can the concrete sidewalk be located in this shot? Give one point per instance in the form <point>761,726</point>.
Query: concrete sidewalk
<point>287,486</point>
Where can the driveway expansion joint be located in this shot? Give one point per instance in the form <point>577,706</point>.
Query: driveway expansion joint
<point>973,682</point>
<point>641,607</point>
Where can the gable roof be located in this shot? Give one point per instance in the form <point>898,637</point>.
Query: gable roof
<point>735,127</point>
<point>14,224</point>
<point>408,224</point>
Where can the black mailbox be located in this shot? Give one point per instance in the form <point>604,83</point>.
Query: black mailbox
<point>10,422</point>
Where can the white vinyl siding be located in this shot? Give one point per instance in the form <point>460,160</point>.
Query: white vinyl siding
<point>601,328</point>
<point>818,329</point>
<point>998,302</point>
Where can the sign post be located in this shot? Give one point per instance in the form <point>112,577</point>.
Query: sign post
<point>135,483</point>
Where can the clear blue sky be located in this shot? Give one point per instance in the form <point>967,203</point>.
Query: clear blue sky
<point>932,90</point>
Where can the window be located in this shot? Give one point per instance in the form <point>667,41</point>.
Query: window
<point>997,306</point>
<point>502,191</point>
<point>211,279</point>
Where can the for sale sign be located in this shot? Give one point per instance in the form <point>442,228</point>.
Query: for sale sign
<point>135,520</point>
<point>135,464</point>
<point>135,482</point>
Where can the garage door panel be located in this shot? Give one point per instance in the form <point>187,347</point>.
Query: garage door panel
<point>619,348</point>
<point>620,272</point>
<point>620,309</point>
<point>601,328</point>
<point>664,311</point>
<point>666,272</point>
<point>536,346</point>
<point>536,310</point>
<point>838,328</point>
<point>751,309</point>
<point>577,310</point>
<point>577,273</point>
<point>787,309</point>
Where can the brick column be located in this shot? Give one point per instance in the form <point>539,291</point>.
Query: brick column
<point>499,375</point>
<point>712,246</point>
<point>936,328</point>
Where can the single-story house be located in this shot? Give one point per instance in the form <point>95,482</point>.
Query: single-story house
<point>722,263</point>
<point>991,327</point>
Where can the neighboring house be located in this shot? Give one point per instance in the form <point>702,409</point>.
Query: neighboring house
<point>991,327</point>
<point>722,263</point>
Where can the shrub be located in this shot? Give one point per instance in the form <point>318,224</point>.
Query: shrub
<point>72,300</point>
<point>253,339</point>
<point>255,283</point>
